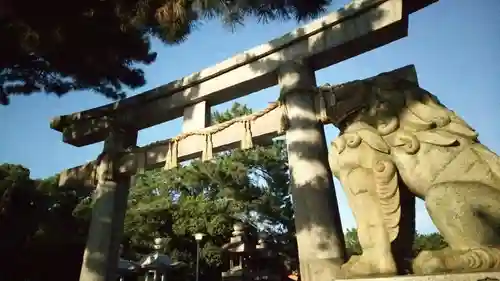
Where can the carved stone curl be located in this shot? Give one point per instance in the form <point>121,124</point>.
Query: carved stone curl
<point>395,134</point>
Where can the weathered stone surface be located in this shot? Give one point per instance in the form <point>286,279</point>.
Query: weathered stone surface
<point>108,212</point>
<point>317,220</point>
<point>400,137</point>
<point>343,34</point>
<point>481,276</point>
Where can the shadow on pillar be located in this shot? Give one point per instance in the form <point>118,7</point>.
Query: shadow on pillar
<point>306,150</point>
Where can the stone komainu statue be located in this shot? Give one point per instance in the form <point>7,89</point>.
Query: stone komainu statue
<point>396,137</point>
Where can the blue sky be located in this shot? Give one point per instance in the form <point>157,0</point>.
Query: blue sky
<point>454,44</point>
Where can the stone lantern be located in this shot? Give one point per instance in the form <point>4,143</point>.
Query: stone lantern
<point>236,249</point>
<point>249,256</point>
<point>157,265</point>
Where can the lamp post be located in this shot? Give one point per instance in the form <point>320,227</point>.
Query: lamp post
<point>198,237</point>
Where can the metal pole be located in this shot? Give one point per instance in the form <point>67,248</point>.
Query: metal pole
<point>197,260</point>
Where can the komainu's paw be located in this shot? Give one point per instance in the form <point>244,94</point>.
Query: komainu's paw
<point>429,262</point>
<point>448,260</point>
<point>360,266</point>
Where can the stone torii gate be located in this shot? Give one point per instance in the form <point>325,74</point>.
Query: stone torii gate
<point>289,61</point>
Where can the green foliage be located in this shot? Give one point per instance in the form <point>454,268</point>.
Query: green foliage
<point>38,226</point>
<point>19,202</point>
<point>207,197</point>
<point>236,110</point>
<point>248,185</point>
<point>47,211</point>
<point>352,242</point>
<point>428,242</point>
<point>59,46</point>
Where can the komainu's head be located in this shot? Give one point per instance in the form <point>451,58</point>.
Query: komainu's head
<point>388,102</point>
<point>372,100</point>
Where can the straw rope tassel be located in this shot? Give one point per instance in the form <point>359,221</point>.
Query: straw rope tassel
<point>173,154</point>
<point>171,158</point>
<point>320,104</point>
<point>168,157</point>
<point>207,149</point>
<point>284,124</point>
<point>247,141</point>
<point>95,173</point>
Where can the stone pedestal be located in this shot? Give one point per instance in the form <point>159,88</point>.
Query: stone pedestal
<point>482,276</point>
<point>108,212</point>
<point>319,231</point>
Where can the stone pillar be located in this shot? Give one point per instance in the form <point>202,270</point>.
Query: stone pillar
<point>196,117</point>
<point>100,259</point>
<point>320,238</point>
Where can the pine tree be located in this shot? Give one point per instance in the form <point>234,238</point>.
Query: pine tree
<point>59,46</point>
